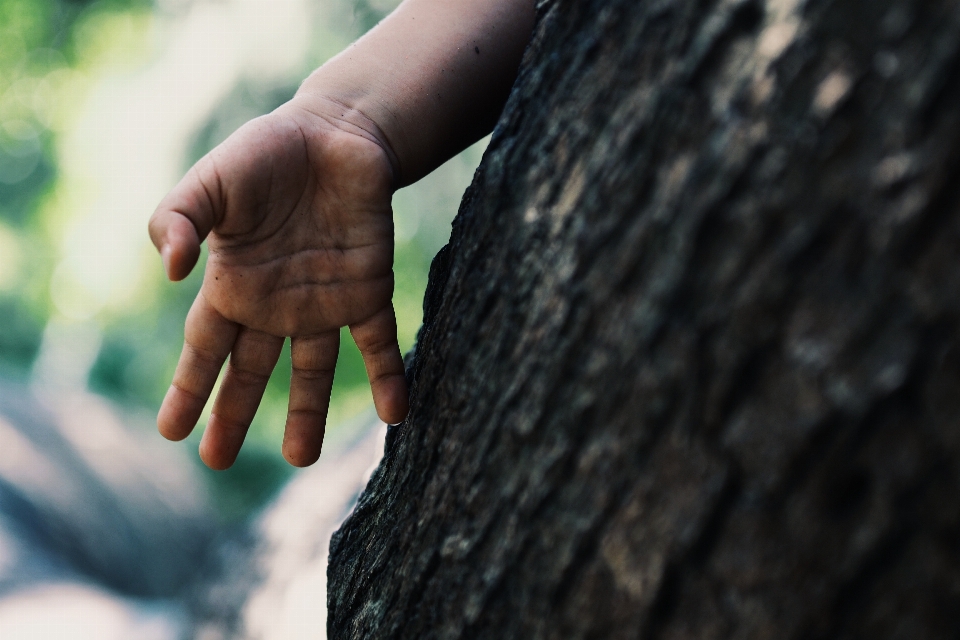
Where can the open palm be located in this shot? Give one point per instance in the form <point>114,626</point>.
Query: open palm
<point>295,207</point>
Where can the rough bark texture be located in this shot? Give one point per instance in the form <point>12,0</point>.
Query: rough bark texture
<point>690,363</point>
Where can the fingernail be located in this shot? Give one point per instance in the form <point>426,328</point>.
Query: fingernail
<point>165,257</point>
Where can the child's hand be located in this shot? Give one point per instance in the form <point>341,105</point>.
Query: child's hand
<point>296,210</point>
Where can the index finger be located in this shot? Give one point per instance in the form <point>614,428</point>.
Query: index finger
<point>208,340</point>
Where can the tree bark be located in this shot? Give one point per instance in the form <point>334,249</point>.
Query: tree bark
<point>690,363</point>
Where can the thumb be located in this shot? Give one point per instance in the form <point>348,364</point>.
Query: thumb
<point>376,338</point>
<point>184,218</point>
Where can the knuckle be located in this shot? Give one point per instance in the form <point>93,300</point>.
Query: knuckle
<point>380,366</point>
<point>201,357</point>
<point>376,344</point>
<point>248,377</point>
<point>190,393</point>
<point>313,374</point>
<point>229,424</point>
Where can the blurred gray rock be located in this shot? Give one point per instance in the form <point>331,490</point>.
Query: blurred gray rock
<point>106,533</point>
<point>102,526</point>
<point>83,495</point>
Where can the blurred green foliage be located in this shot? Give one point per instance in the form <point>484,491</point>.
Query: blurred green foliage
<point>50,54</point>
<point>36,43</point>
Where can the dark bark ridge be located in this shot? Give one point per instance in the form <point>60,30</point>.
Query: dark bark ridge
<point>690,363</point>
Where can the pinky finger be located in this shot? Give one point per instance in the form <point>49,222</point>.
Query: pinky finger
<point>376,338</point>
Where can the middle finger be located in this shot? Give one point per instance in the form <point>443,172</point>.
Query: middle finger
<point>252,360</point>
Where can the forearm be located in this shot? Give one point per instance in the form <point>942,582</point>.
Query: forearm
<point>432,77</point>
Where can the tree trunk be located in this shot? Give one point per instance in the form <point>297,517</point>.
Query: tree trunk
<point>690,363</point>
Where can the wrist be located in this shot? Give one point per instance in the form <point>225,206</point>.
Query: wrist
<point>348,111</point>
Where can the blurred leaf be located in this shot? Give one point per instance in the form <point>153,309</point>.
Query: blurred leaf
<point>20,337</point>
<point>253,479</point>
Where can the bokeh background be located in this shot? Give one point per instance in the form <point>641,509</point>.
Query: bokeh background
<point>103,106</point>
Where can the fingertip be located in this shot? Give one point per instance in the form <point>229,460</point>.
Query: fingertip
<point>177,240</point>
<point>391,399</point>
<point>175,419</point>
<point>182,264</point>
<point>181,249</point>
<point>213,461</point>
<point>171,432</point>
<point>299,457</point>
<point>303,437</point>
<point>212,454</point>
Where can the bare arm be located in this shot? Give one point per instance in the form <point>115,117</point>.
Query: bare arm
<point>433,76</point>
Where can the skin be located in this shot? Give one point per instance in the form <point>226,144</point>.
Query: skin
<point>295,210</point>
